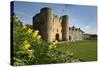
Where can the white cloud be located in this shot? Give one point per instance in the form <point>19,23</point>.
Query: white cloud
<point>90,30</point>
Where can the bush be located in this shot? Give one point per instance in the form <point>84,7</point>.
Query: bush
<point>29,48</point>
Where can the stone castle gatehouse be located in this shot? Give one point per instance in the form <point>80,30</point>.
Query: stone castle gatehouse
<point>53,27</point>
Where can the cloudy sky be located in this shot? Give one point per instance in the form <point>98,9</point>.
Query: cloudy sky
<point>81,16</point>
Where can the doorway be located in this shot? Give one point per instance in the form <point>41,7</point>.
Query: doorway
<point>57,36</point>
<point>70,37</point>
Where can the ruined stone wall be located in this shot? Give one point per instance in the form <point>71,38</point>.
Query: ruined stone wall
<point>53,27</point>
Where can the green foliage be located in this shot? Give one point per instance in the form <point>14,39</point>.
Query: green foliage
<point>29,48</point>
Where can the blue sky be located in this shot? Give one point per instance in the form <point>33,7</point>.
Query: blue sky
<point>81,16</point>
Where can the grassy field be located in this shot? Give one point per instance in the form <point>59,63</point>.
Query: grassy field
<point>85,50</point>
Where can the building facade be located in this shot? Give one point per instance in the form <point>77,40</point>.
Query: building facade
<point>53,27</point>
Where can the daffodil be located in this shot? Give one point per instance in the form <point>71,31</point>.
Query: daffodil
<point>50,46</point>
<point>30,30</point>
<point>53,45</point>
<point>25,41</point>
<point>55,42</point>
<point>26,46</point>
<point>38,37</point>
<point>35,33</point>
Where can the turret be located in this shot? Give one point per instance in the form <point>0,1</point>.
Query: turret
<point>47,17</point>
<point>65,28</point>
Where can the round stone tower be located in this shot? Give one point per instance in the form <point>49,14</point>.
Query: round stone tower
<point>65,28</point>
<point>47,17</point>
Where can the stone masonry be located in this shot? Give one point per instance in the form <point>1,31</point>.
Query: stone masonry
<point>53,27</point>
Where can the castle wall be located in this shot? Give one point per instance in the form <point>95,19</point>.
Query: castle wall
<point>54,27</point>
<point>76,34</point>
<point>57,28</point>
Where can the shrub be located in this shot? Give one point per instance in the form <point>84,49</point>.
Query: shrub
<point>29,48</point>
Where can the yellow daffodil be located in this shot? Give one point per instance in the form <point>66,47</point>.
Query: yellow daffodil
<point>35,33</point>
<point>50,46</point>
<point>30,30</point>
<point>38,37</point>
<point>53,44</point>
<point>25,42</point>
<point>26,46</point>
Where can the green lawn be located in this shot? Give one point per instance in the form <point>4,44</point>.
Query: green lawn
<point>85,50</point>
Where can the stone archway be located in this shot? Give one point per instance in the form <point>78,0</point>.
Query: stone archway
<point>57,36</point>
